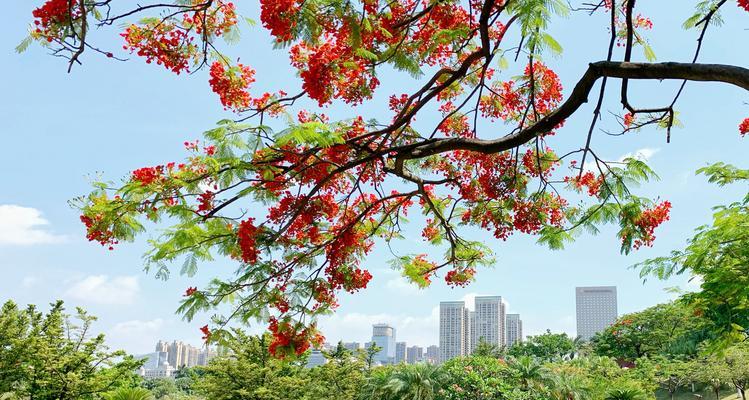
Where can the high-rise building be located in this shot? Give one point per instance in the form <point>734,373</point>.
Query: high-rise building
<point>400,352</point>
<point>352,346</point>
<point>383,335</point>
<point>514,327</point>
<point>179,354</point>
<point>596,309</point>
<point>455,332</point>
<point>415,354</point>
<point>489,321</point>
<point>433,354</point>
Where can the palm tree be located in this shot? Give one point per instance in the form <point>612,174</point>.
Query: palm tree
<point>625,394</point>
<point>568,387</point>
<point>530,372</point>
<point>416,382</point>
<point>130,394</point>
<point>376,386</point>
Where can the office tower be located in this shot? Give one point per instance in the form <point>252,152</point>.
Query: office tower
<point>433,354</point>
<point>596,309</point>
<point>352,346</point>
<point>383,335</point>
<point>514,329</point>
<point>489,321</point>
<point>454,330</point>
<point>400,352</point>
<point>414,354</point>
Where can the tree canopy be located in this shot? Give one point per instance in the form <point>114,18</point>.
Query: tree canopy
<point>55,356</point>
<point>299,200</point>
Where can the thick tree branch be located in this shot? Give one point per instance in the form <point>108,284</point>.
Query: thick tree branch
<point>734,75</point>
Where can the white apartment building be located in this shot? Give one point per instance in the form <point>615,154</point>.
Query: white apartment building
<point>488,324</point>
<point>455,332</point>
<point>596,308</point>
<point>514,327</point>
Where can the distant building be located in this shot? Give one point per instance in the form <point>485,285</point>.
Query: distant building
<point>596,308</point>
<point>514,327</point>
<point>455,332</point>
<point>383,335</point>
<point>316,356</point>
<point>155,359</point>
<point>178,354</point>
<point>400,352</point>
<point>433,354</point>
<point>161,371</point>
<point>352,346</point>
<point>414,354</point>
<point>489,321</point>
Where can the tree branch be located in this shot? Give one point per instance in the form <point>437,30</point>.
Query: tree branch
<point>734,75</point>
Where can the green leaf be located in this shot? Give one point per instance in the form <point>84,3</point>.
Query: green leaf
<point>24,44</point>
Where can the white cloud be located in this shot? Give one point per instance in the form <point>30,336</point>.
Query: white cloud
<point>644,154</point>
<point>24,226</point>
<point>135,336</point>
<point>101,289</point>
<point>402,285</point>
<point>29,281</point>
<point>416,330</point>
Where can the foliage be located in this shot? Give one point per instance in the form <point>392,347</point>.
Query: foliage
<point>129,394</point>
<point>547,346</point>
<point>670,329</point>
<point>55,356</point>
<point>477,378</point>
<point>718,255</point>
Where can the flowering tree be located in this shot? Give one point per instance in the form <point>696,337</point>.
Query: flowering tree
<point>298,208</point>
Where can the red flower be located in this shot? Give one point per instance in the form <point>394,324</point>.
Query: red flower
<point>247,240</point>
<point>231,84</point>
<point>190,291</point>
<point>206,332</point>
<point>148,175</point>
<point>744,127</point>
<point>744,4</point>
<point>52,17</point>
<point>279,16</point>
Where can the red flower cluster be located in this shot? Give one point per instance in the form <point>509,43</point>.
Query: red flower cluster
<point>547,85</point>
<point>588,180</point>
<point>247,240</point>
<point>461,277</point>
<point>509,100</point>
<point>629,119</point>
<point>744,126</point>
<point>148,175</point>
<point>231,84</point>
<point>205,201</point>
<point>218,19</point>
<point>190,291</point>
<point>53,16</point>
<point>162,42</point>
<point>288,339</point>
<point>332,70</point>
<point>96,232</point>
<point>744,4</point>
<point>648,221</point>
<point>279,16</point>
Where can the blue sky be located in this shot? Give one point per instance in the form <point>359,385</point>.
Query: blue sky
<point>108,117</point>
